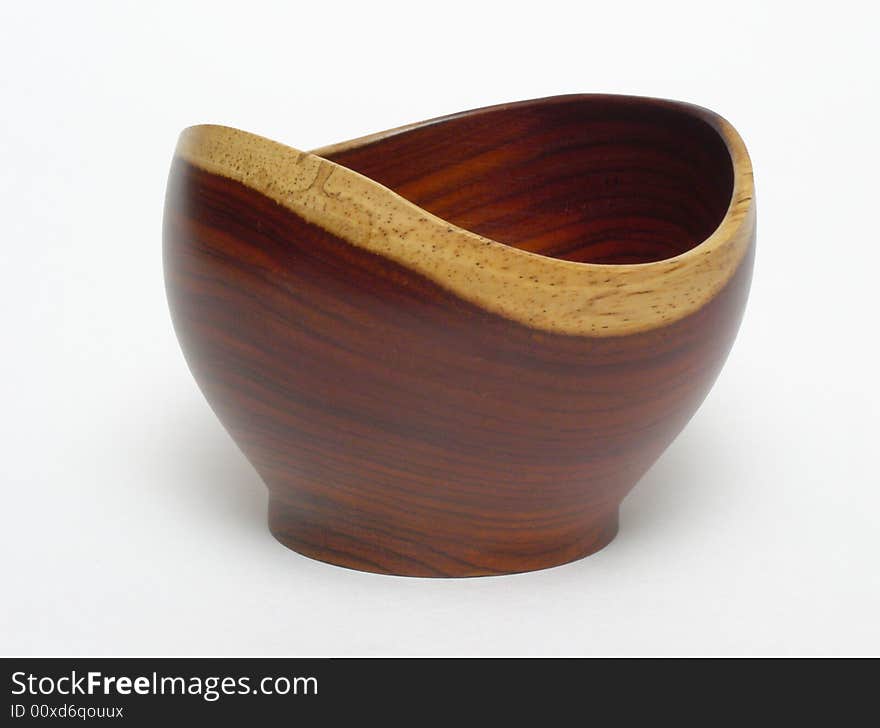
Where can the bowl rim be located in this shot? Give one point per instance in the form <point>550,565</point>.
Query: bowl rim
<point>588,299</point>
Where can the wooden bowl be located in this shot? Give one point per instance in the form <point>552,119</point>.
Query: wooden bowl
<point>451,349</point>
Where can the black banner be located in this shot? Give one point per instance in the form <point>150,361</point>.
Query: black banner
<point>134,691</point>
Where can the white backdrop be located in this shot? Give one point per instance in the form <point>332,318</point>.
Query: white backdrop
<point>132,525</point>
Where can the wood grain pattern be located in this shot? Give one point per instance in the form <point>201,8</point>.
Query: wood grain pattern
<point>365,322</point>
<point>623,183</point>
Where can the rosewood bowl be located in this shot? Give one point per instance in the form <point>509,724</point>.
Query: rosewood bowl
<point>452,348</point>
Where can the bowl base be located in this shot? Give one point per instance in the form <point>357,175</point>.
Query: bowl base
<point>352,541</point>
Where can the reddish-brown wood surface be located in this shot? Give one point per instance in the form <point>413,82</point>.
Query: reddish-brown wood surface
<point>622,181</point>
<point>402,429</point>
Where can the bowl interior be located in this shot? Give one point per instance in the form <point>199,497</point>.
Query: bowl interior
<point>599,179</point>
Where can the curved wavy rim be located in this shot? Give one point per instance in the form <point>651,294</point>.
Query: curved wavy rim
<point>742,190</point>
<point>559,296</point>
